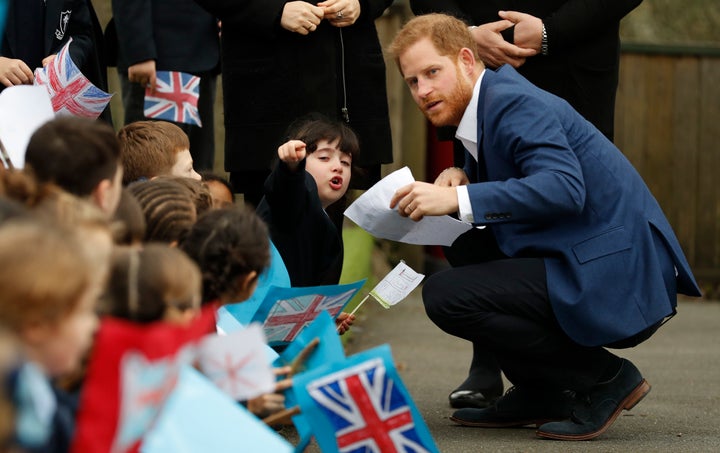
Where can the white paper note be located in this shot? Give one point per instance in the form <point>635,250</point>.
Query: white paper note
<point>371,211</point>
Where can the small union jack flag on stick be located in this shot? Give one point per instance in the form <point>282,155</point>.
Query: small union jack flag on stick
<point>175,98</point>
<point>70,91</point>
<point>361,405</point>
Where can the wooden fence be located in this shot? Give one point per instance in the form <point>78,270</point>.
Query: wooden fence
<point>668,124</point>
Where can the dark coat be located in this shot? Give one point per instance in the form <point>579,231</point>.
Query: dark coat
<point>583,41</point>
<point>309,242</point>
<point>178,34</point>
<point>65,19</point>
<point>272,76</point>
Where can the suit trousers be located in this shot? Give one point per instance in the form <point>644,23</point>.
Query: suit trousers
<point>501,306</point>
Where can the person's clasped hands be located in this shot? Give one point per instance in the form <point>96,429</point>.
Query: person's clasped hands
<point>304,18</point>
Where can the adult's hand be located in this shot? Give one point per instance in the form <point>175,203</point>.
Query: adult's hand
<point>528,29</point>
<point>418,199</point>
<point>14,72</point>
<point>301,17</point>
<point>143,73</point>
<point>494,51</point>
<point>452,177</point>
<point>341,13</point>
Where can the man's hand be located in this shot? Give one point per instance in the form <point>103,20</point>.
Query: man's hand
<point>528,29</point>
<point>301,17</point>
<point>143,73</point>
<point>494,51</point>
<point>341,13</point>
<point>14,72</point>
<point>292,153</point>
<point>419,199</point>
<point>452,177</point>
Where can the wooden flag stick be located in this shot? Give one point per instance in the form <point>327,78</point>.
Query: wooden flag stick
<point>5,157</point>
<point>302,356</point>
<point>360,304</point>
<point>283,417</point>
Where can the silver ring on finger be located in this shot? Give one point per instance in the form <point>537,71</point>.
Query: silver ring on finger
<point>339,14</point>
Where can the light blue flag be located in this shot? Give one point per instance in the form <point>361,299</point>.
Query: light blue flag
<point>275,275</point>
<point>361,404</point>
<point>328,350</point>
<point>199,418</point>
<point>286,311</point>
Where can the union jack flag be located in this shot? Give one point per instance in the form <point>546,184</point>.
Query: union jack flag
<point>289,316</point>
<point>145,385</point>
<point>175,98</point>
<point>368,410</point>
<point>237,363</point>
<point>70,91</point>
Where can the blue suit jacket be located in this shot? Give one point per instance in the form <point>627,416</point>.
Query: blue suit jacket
<point>556,188</point>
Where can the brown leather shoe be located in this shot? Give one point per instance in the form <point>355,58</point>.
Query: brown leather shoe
<point>594,413</point>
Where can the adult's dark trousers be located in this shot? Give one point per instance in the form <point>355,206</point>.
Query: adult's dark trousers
<point>202,139</point>
<point>502,307</point>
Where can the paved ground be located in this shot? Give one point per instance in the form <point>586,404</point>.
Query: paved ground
<point>681,362</point>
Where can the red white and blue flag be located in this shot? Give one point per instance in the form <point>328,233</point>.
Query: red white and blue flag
<point>70,91</point>
<point>175,98</point>
<point>284,312</point>
<point>367,409</point>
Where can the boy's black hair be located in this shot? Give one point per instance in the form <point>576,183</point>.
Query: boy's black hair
<point>74,153</point>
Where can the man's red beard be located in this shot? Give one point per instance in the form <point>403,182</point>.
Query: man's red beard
<point>453,105</point>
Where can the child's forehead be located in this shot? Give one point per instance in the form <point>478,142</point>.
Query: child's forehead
<point>330,145</point>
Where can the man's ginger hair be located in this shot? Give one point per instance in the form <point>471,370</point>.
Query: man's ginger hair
<point>448,34</point>
<point>148,148</point>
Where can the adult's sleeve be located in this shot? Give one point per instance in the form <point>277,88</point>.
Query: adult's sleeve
<point>80,28</point>
<point>261,17</point>
<point>134,25</point>
<point>579,20</point>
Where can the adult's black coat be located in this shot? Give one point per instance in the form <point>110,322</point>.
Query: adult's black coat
<point>272,76</point>
<point>583,41</point>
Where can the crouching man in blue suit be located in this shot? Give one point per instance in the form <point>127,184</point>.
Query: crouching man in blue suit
<point>576,255</point>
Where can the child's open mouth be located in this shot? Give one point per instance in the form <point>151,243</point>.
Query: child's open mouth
<point>336,183</point>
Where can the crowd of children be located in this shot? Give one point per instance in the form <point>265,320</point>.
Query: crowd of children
<point>105,225</point>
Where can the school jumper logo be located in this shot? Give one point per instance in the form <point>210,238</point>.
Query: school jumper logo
<point>64,19</point>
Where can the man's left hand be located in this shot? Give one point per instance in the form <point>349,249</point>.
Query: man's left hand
<point>418,199</point>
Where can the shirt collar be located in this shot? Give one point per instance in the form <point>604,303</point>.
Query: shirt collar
<point>467,129</point>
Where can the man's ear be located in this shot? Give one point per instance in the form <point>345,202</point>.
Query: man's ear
<point>101,195</point>
<point>466,59</point>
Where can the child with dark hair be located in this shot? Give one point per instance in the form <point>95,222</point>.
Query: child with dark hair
<point>232,248</point>
<point>155,148</point>
<point>222,192</point>
<point>80,155</point>
<point>168,207</point>
<point>313,173</point>
<point>155,283</point>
